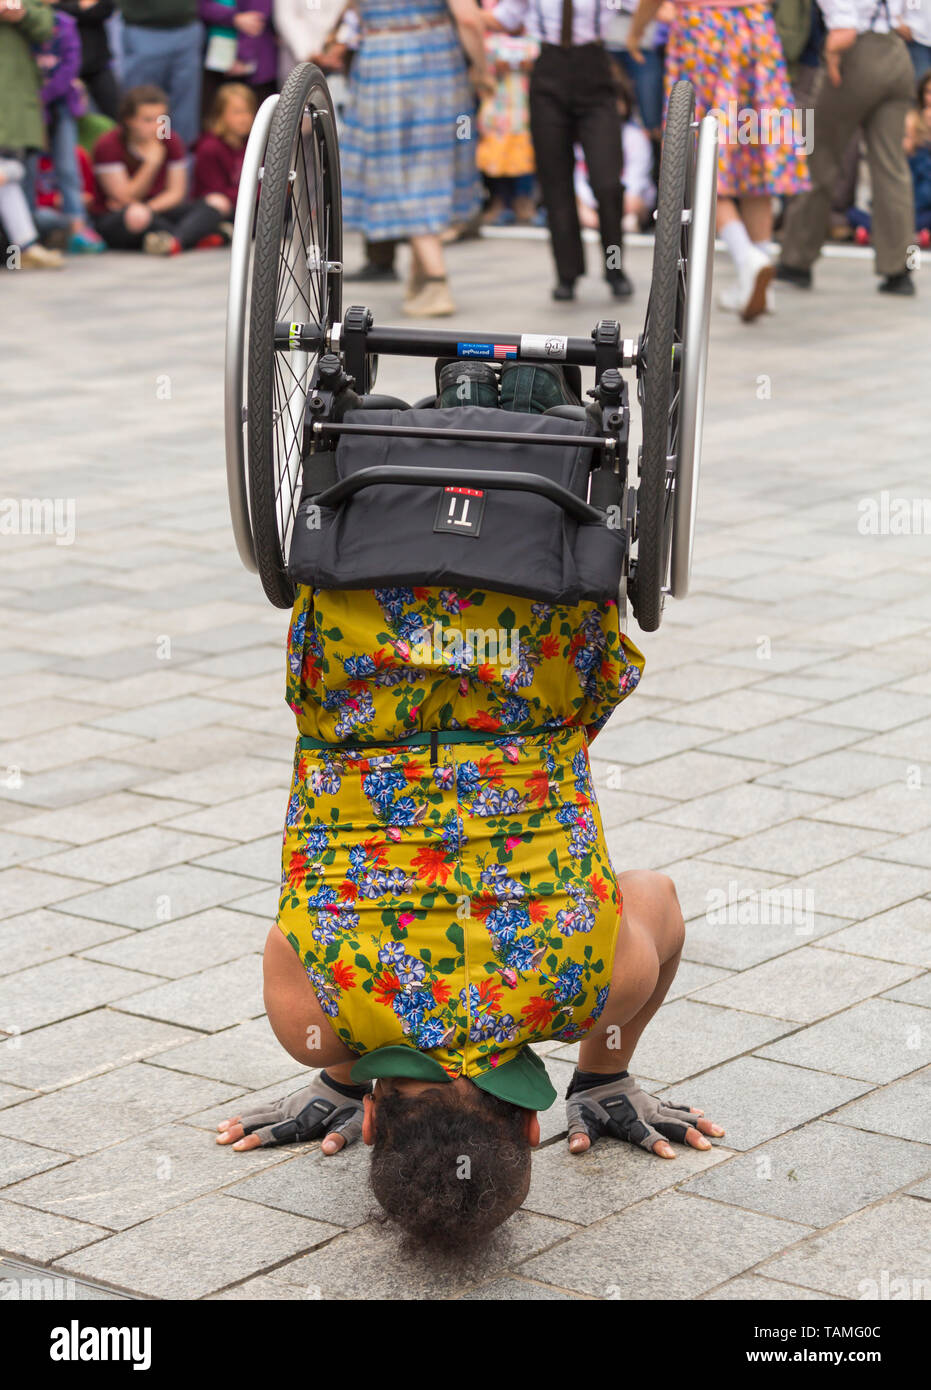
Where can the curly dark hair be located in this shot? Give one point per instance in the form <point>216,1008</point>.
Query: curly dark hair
<point>448,1168</point>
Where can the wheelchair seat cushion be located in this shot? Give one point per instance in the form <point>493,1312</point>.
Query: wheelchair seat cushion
<point>518,542</point>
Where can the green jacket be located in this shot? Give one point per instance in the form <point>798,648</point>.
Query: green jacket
<point>21,125</point>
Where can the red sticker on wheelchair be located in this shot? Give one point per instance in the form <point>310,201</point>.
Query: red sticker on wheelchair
<point>460,510</point>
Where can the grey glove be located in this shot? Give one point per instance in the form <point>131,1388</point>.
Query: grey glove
<point>622,1110</point>
<point>311,1113</point>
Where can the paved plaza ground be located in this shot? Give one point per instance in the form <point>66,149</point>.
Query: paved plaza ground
<point>780,740</point>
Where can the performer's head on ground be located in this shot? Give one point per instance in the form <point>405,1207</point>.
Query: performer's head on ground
<point>450,1162</point>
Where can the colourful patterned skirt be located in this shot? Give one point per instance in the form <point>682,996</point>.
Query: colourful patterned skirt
<point>464,907</point>
<point>734,59</point>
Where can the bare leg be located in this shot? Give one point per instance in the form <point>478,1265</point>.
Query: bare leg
<point>757,213</point>
<point>646,957</point>
<point>428,251</point>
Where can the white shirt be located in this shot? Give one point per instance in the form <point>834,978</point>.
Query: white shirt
<point>514,13</point>
<point>917,15</point>
<point>863,15</point>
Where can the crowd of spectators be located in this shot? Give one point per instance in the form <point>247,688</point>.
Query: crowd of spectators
<point>123,125</point>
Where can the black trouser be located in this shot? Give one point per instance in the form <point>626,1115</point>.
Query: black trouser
<point>187,221</point>
<point>572,99</point>
<point>104,90</point>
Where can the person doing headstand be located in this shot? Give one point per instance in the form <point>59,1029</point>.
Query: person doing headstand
<point>449,901</point>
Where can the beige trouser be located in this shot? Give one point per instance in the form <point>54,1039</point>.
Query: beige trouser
<point>876,91</point>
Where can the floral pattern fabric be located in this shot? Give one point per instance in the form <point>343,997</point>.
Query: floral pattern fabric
<point>464,906</point>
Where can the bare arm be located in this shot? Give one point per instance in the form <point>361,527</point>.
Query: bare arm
<point>174,191</point>
<point>468,20</point>
<point>121,190</point>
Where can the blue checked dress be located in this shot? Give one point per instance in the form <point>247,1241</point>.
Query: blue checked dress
<point>408,141</point>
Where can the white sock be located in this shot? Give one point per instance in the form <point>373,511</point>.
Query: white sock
<point>762,246</point>
<point>737,240</point>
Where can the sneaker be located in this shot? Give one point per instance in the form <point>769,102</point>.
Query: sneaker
<point>432,301</point>
<point>924,238</point>
<point>208,242</point>
<point>533,387</point>
<point>620,285</point>
<point>160,244</point>
<point>468,383</point>
<point>861,236</point>
<point>39,257</point>
<point>794,275</point>
<point>898,284</point>
<point>753,278</point>
<point>85,242</point>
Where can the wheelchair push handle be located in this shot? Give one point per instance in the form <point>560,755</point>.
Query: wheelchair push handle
<point>462,477</point>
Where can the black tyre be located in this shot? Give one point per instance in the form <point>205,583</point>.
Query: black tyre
<point>660,361</point>
<point>296,278</point>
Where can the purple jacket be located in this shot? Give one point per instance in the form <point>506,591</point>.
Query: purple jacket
<point>65,46</point>
<point>263,51</point>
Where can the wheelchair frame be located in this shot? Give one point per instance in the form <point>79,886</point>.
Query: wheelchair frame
<point>289,350</point>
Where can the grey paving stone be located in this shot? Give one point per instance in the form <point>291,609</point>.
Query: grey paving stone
<point>70,745</point>
<point>742,810</point>
<point>654,739</point>
<point>222,781</point>
<point>839,774</point>
<point>907,849</point>
<point>685,775</point>
<point>259,859</point>
<point>197,1249</point>
<point>39,1235</point>
<point>903,933</point>
<point>877,1040</point>
<point>248,1055</point>
<point>787,741</point>
<point>736,711</point>
<point>817,1175</point>
<point>798,847</point>
<point>18,849</point>
<point>861,887</point>
<point>43,935</point>
<point>263,904</point>
<point>649,846</point>
<point>124,1184</point>
<point>168,716</point>
<point>187,751</point>
<point>751,1286</point>
<point>896,806</point>
<point>247,818</point>
<point>180,948</point>
<point>110,1108</point>
<point>753,1099</point>
<point>10,1095</point>
<point>777,925</point>
<point>265,1287</point>
<point>367,1263</point>
<point>866,1256</point>
<point>129,856</point>
<point>246,1099</point>
<point>608,1260</point>
<point>685,1038</point>
<point>81,1047</point>
<point>516,1290</point>
<point>101,818</point>
<point>18,1160</point>
<point>68,785</point>
<point>902,1109</point>
<point>585,1188</point>
<point>802,985</point>
<point>707,889</point>
<point>60,989</point>
<point>211,1000</point>
<point>917,991</point>
<point>620,807</point>
<point>315,1186</point>
<point>692,976</point>
<point>923,1190</point>
<point>163,896</point>
<point>22,889</point>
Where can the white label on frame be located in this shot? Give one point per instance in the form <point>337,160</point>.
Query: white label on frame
<point>542,345</point>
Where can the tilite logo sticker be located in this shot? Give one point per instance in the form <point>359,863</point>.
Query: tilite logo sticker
<point>460,510</point>
<point>543,345</point>
<point>77,1343</point>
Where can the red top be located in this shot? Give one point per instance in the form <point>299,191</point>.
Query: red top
<point>217,167</point>
<point>111,152</point>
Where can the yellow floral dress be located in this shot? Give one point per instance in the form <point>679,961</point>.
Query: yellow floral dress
<point>458,898</point>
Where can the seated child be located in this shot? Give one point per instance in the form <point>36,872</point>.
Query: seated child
<point>219,152</point>
<point>445,905</point>
<point>141,173</point>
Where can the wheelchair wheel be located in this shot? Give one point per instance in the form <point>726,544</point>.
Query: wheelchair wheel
<point>661,360</point>
<point>296,278</point>
<point>237,313</point>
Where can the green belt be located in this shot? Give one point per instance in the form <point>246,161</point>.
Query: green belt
<point>432,737</point>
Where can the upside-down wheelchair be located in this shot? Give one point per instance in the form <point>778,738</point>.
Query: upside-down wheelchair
<point>335,486</point>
